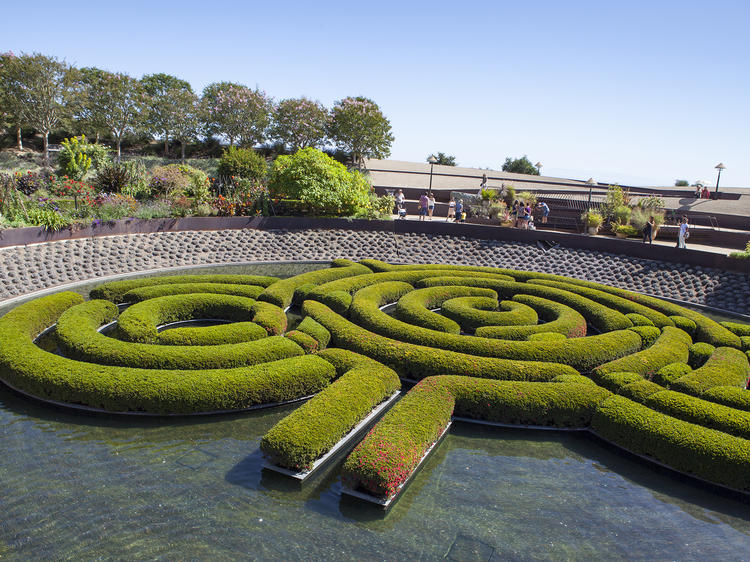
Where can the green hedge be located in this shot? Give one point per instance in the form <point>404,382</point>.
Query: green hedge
<point>617,381</point>
<point>116,290</point>
<point>580,353</point>
<point>473,312</point>
<point>415,307</point>
<point>737,328</point>
<point>669,374</point>
<point>690,448</point>
<point>611,301</point>
<point>575,379</point>
<point>313,429</point>
<point>733,396</point>
<point>701,412</point>
<point>649,334</point>
<point>392,450</point>
<point>78,337</point>
<point>154,291</point>
<point>305,341</point>
<point>27,367</point>
<point>138,323</point>
<point>639,319</point>
<point>417,362</point>
<point>640,390</point>
<point>684,324</point>
<point>525,403</point>
<point>699,354</point>
<point>556,317</point>
<point>281,293</point>
<point>745,343</point>
<point>236,332</point>
<point>602,318</point>
<point>670,347</point>
<point>270,316</point>
<point>545,336</point>
<point>726,367</point>
<point>316,331</point>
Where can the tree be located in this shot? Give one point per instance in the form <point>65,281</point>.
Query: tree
<point>119,102</point>
<point>82,111</point>
<point>358,126</point>
<point>185,127</point>
<point>39,88</point>
<point>681,183</point>
<point>10,106</point>
<point>163,91</point>
<point>520,166</point>
<point>299,123</point>
<point>236,111</point>
<point>443,159</point>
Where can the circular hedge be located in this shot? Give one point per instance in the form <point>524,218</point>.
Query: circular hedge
<point>493,345</point>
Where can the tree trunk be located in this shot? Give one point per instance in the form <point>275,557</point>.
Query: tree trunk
<point>19,138</point>
<point>231,141</point>
<point>118,150</point>
<point>46,147</point>
<point>182,146</point>
<point>166,146</point>
<point>96,139</point>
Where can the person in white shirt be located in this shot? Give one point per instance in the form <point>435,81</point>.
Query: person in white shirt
<point>684,233</point>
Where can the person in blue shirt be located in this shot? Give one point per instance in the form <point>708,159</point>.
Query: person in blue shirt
<point>545,210</point>
<point>459,209</point>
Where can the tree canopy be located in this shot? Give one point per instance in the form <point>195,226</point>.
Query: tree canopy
<point>358,126</point>
<point>299,123</point>
<point>443,159</point>
<point>236,111</point>
<point>520,166</point>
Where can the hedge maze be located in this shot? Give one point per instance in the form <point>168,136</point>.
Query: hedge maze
<point>491,345</point>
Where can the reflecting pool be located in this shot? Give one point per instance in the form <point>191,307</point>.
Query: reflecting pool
<point>77,485</point>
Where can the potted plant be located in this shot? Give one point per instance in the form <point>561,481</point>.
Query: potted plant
<point>625,230</point>
<point>592,220</point>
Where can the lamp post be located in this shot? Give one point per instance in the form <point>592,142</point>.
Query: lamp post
<point>591,183</point>
<point>719,167</point>
<point>538,167</point>
<point>432,160</point>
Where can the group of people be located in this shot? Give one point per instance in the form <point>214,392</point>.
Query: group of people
<point>456,209</point>
<point>522,217</point>
<point>702,192</point>
<point>682,234</point>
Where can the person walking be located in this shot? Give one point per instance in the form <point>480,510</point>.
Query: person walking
<point>459,210</point>
<point>683,234</point>
<point>545,210</point>
<point>430,205</point>
<point>451,210</point>
<point>401,204</point>
<point>648,230</point>
<point>423,203</point>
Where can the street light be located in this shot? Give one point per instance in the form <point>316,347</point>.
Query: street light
<point>538,167</point>
<point>591,183</point>
<point>719,167</point>
<point>432,160</point>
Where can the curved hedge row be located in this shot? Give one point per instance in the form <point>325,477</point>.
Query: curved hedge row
<point>78,337</point>
<point>726,367</point>
<point>417,362</point>
<point>687,447</point>
<point>154,291</point>
<point>139,322</point>
<point>556,317</point>
<point>313,429</point>
<point>473,312</point>
<point>30,369</point>
<point>115,290</point>
<point>580,353</point>
<point>416,306</point>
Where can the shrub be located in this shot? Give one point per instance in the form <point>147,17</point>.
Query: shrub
<point>154,291</point>
<point>120,389</point>
<point>639,390</point>
<point>699,354</point>
<point>627,229</point>
<point>617,381</point>
<point>474,312</point>
<point>415,307</point>
<point>737,328</point>
<point>545,336</point>
<point>649,334</point>
<point>115,177</point>
<point>316,331</point>
<point>235,332</point>
<point>417,361</point>
<point>77,155</point>
<point>320,182</point>
<point>392,450</point>
<point>668,374</point>
<point>733,396</point>
<point>314,428</point>
<point>573,379</point>
<point>639,319</point>
<point>580,353</point>
<point>115,290</point>
<point>684,324</point>
<point>592,219</point>
<point>726,367</point>
<point>270,316</point>
<point>242,163</point>
<point>178,179</point>
<point>670,347</point>
<point>556,317</point>
<point>701,412</point>
<point>684,446</point>
<point>621,215</point>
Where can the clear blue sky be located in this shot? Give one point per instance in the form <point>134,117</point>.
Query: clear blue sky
<point>635,92</point>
